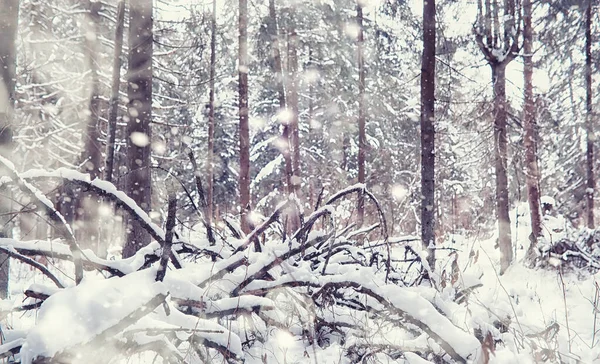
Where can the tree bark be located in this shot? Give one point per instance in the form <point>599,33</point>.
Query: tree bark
<point>529,124</point>
<point>243,115</point>
<point>428,132</point>
<point>501,160</point>
<point>589,125</point>
<point>278,71</point>
<point>114,99</point>
<point>211,117</point>
<point>139,92</point>
<point>86,205</point>
<point>292,101</point>
<point>8,62</point>
<point>362,137</point>
<point>499,51</point>
<point>169,226</point>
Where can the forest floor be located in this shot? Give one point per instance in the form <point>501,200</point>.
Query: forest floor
<point>552,310</point>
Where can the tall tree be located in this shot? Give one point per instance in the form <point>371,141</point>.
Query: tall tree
<point>497,32</point>
<point>86,204</point>
<point>428,132</point>
<point>279,85</point>
<point>292,98</point>
<point>591,182</point>
<point>114,97</point>
<point>529,124</point>
<point>8,61</point>
<point>139,92</point>
<point>211,116</point>
<point>362,137</point>
<point>244,178</point>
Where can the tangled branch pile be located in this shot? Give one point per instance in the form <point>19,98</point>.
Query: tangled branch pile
<point>322,289</point>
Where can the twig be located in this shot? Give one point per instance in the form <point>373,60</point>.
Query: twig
<point>198,180</point>
<point>566,308</point>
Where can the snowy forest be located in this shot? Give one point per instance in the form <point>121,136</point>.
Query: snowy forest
<point>299,181</point>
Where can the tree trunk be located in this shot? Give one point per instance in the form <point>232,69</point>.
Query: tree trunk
<point>591,182</point>
<point>139,92</point>
<point>8,61</point>
<point>243,114</point>
<point>428,132</point>
<point>362,137</point>
<point>490,41</point>
<point>211,117</point>
<point>529,124</point>
<point>278,71</point>
<point>114,99</point>
<point>292,101</point>
<point>501,160</point>
<point>86,204</point>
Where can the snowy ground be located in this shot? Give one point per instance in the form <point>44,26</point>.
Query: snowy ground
<point>542,309</point>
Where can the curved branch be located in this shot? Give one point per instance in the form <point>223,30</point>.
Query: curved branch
<point>457,352</point>
<point>39,266</point>
<point>108,191</point>
<point>61,224</point>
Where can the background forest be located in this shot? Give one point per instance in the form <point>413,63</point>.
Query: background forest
<point>341,181</point>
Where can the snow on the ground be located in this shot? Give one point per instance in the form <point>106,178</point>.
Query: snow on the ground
<point>531,301</point>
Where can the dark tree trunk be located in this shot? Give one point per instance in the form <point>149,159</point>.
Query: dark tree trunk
<point>501,160</point>
<point>428,132</point>
<point>139,92</point>
<point>529,124</point>
<point>211,117</point>
<point>114,98</point>
<point>8,61</point>
<point>589,123</point>
<point>362,136</point>
<point>243,114</point>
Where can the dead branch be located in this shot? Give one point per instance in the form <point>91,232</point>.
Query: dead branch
<point>276,261</point>
<point>39,266</point>
<point>100,340</point>
<point>200,189</point>
<point>116,196</point>
<point>393,309</point>
<point>61,225</point>
<point>167,246</point>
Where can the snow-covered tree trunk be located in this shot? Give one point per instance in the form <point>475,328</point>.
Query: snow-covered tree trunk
<point>139,91</point>
<point>428,132</point>
<point>497,34</point>
<point>501,159</point>
<point>8,34</point>
<point>529,124</point>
